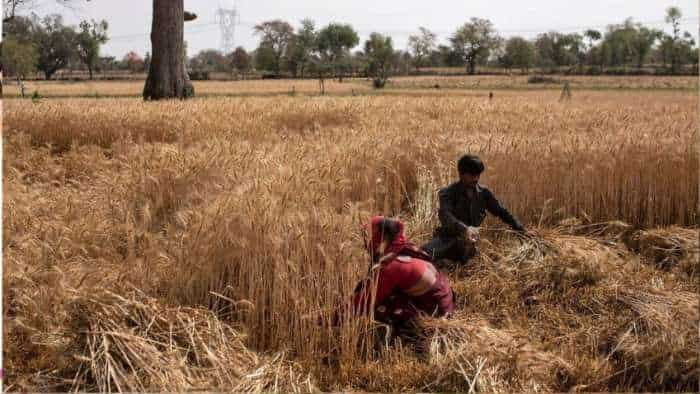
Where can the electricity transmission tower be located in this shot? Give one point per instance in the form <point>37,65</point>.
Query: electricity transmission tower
<point>227,19</point>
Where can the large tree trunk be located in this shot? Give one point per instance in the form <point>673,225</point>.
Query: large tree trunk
<point>167,76</point>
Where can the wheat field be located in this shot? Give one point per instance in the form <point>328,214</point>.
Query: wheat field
<point>517,81</point>
<point>121,88</point>
<point>422,85</point>
<point>206,244</point>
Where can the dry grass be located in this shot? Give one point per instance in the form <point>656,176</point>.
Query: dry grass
<point>352,85</point>
<point>669,249</point>
<point>521,82</point>
<point>508,361</point>
<point>135,88</point>
<point>236,219</point>
<point>97,340</point>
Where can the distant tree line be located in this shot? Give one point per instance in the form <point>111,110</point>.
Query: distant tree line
<point>305,51</point>
<point>48,45</point>
<point>31,44</point>
<point>625,47</point>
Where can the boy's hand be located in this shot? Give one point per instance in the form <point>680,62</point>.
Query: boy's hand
<point>472,234</point>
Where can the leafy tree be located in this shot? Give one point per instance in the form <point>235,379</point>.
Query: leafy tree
<point>664,51</point>
<point>109,63</point>
<point>435,58</point>
<point>403,62</point>
<point>302,46</point>
<point>21,27</point>
<point>421,45</point>
<point>330,53</point>
<point>240,60</point>
<point>276,36</point>
<point>577,48</point>
<point>56,44</point>
<point>592,56</point>
<point>642,42</point>
<point>628,43</point>
<point>91,36</point>
<point>133,62</point>
<point>379,51</point>
<point>10,8</point>
<point>333,43</point>
<point>555,49</point>
<point>359,63</point>
<point>673,17</point>
<point>210,60</point>
<point>265,59</point>
<point>320,67</point>
<point>518,52</point>
<point>592,36</point>
<point>474,41</point>
<point>449,57</point>
<point>19,57</point>
<point>687,51</point>
<point>619,44</point>
<point>684,51</point>
<point>690,52</point>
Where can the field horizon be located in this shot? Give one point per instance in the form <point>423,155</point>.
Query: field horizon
<point>401,85</point>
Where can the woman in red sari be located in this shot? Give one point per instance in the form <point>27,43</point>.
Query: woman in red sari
<point>405,280</point>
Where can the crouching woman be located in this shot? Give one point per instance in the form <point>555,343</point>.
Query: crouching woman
<point>402,282</point>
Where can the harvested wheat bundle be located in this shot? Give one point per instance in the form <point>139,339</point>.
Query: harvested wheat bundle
<point>275,375</point>
<point>582,290</point>
<point>132,343</point>
<point>658,349</point>
<point>507,360</point>
<point>552,264</point>
<point>101,341</point>
<point>587,254</point>
<point>399,369</point>
<point>549,268</point>
<point>668,248</point>
<point>612,230</point>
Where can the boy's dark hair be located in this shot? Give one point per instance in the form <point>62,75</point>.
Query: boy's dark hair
<point>470,164</point>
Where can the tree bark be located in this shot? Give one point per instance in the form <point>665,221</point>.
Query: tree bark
<point>167,76</point>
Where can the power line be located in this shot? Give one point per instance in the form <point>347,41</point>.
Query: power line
<point>227,24</point>
<point>578,28</point>
<point>684,22</point>
<point>195,30</point>
<point>212,26</point>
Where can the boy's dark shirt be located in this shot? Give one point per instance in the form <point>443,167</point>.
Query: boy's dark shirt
<point>458,210</point>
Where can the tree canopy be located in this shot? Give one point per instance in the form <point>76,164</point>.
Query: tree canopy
<point>474,41</point>
<point>379,51</point>
<point>90,37</point>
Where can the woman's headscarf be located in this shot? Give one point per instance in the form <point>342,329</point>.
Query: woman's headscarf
<point>386,236</point>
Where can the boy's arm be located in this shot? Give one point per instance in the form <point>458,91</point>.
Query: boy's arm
<point>446,212</point>
<point>494,206</point>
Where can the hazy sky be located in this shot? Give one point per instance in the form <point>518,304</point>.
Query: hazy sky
<point>130,20</point>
